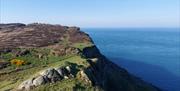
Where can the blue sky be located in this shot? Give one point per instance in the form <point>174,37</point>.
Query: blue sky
<point>93,13</point>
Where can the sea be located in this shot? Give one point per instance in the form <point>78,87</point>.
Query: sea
<point>152,54</point>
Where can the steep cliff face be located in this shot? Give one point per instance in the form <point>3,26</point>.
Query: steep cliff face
<point>58,58</point>
<point>111,77</point>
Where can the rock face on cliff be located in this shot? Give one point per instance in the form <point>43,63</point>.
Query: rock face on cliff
<point>56,58</point>
<point>49,75</point>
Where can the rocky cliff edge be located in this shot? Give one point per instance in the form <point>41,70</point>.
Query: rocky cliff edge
<point>43,57</point>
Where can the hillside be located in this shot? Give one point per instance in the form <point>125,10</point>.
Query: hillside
<point>45,57</point>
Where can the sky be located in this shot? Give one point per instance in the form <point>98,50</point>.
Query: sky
<point>93,13</point>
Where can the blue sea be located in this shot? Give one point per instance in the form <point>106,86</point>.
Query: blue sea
<point>152,54</point>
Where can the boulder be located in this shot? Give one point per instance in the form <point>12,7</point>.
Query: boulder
<point>63,72</point>
<point>66,73</point>
<point>55,77</point>
<point>68,69</point>
<point>39,81</point>
<point>60,71</point>
<point>47,72</point>
<point>26,85</point>
<point>66,77</point>
<point>51,74</point>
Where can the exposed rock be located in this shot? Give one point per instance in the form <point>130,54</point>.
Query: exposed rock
<point>91,52</point>
<point>26,85</point>
<point>100,70</point>
<point>68,69</point>
<point>94,60</point>
<point>39,81</point>
<point>110,76</point>
<point>49,75</point>
<point>47,72</point>
<point>64,72</point>
<point>55,77</point>
<point>66,77</point>
<point>60,71</point>
<point>40,56</point>
<point>83,76</point>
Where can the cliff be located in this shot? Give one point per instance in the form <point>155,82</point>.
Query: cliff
<point>44,57</point>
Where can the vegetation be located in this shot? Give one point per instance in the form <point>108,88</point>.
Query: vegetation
<point>31,64</point>
<point>58,46</point>
<point>66,85</point>
<point>81,46</point>
<point>17,62</point>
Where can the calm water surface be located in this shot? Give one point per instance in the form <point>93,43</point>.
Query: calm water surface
<point>149,53</point>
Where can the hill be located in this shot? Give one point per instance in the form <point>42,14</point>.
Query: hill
<point>45,57</point>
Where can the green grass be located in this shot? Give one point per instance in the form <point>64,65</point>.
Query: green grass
<point>81,46</point>
<point>14,77</point>
<point>10,77</point>
<point>34,65</point>
<point>7,56</point>
<point>65,85</point>
<point>74,59</point>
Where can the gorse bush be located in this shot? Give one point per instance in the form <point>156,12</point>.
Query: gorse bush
<point>17,62</point>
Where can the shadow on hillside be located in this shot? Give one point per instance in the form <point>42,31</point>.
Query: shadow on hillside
<point>156,75</point>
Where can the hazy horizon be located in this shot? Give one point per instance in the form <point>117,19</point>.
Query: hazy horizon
<point>94,14</point>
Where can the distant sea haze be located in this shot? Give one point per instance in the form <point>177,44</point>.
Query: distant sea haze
<point>153,54</point>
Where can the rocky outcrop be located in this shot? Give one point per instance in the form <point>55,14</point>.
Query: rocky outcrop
<point>50,75</point>
<point>39,81</point>
<point>91,52</point>
<point>83,76</point>
<point>26,85</point>
<point>109,76</point>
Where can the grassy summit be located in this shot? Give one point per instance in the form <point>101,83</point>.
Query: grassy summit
<point>44,57</point>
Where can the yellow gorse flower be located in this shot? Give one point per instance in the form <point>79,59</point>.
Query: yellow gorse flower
<point>17,62</point>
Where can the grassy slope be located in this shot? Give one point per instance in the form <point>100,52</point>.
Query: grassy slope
<point>13,77</point>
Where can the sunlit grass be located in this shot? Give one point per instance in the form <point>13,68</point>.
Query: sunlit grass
<point>81,46</point>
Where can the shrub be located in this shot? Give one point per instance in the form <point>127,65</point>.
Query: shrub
<point>17,62</point>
